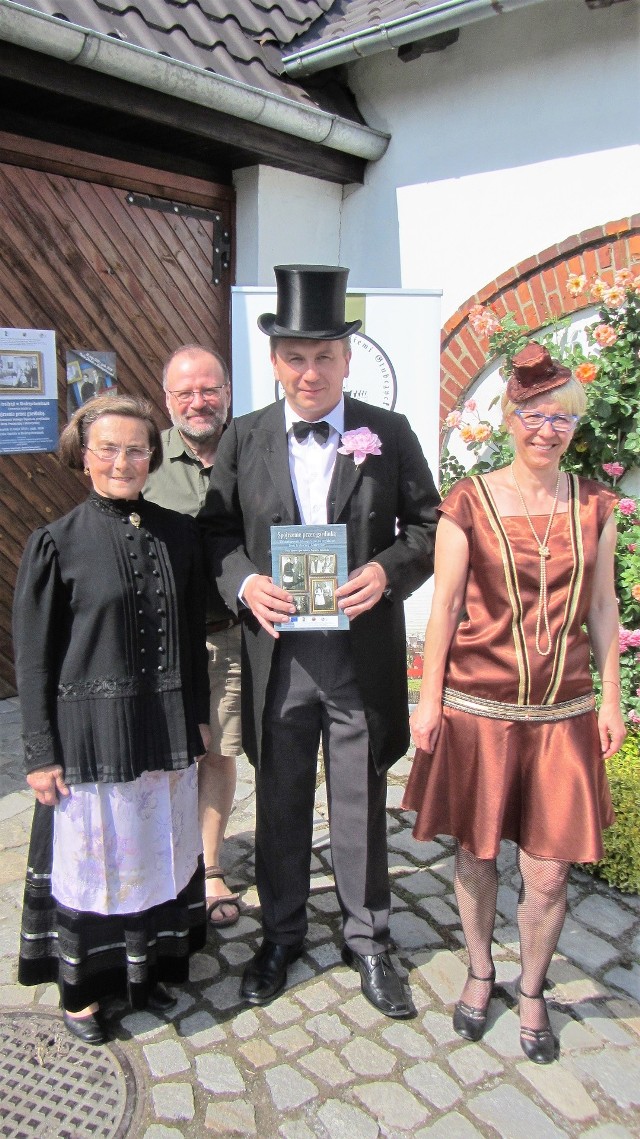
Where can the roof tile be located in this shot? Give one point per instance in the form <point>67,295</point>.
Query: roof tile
<point>350,17</point>
<point>237,39</point>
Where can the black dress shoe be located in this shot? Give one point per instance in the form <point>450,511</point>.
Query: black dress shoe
<point>89,1028</point>
<point>159,999</point>
<point>380,983</point>
<point>266,973</point>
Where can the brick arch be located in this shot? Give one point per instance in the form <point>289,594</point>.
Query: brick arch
<point>530,291</point>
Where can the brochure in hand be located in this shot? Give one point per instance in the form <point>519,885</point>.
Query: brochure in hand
<point>310,562</point>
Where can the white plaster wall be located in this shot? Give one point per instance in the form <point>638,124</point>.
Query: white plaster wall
<point>281,219</point>
<point>525,132</point>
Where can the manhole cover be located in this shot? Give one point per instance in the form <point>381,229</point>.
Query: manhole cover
<point>52,1086</point>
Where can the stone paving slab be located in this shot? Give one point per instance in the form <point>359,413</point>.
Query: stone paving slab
<point>320,1062</point>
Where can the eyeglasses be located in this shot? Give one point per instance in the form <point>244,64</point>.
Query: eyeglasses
<point>534,420</point>
<point>109,453</point>
<point>205,393</point>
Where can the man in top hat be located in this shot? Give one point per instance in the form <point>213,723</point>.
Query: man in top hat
<point>282,465</point>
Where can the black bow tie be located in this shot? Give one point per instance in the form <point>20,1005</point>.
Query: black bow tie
<point>301,429</point>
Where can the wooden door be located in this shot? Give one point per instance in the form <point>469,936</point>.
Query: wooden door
<point>79,257</point>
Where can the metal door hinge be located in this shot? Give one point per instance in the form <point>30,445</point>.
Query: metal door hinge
<point>221,236</point>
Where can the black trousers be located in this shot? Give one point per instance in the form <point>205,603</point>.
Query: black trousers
<point>313,695</point>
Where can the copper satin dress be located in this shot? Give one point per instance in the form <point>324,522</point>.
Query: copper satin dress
<point>541,784</point>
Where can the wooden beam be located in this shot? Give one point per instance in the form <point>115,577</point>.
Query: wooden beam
<point>116,114</point>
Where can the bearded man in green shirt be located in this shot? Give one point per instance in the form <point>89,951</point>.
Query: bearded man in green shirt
<point>198,395</point>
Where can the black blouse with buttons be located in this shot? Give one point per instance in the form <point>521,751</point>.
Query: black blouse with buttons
<point>109,632</point>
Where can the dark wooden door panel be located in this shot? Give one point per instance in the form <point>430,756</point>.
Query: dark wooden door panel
<point>77,257</point>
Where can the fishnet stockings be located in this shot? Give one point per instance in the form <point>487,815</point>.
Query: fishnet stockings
<point>542,907</point>
<point>476,887</point>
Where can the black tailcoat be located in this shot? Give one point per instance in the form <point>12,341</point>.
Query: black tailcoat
<point>388,504</point>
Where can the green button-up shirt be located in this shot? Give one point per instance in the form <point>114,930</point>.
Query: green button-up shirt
<point>181,483</point>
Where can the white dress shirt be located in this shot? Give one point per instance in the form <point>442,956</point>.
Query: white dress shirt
<point>311,464</point>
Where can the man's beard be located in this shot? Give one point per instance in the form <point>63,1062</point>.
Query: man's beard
<point>216,421</point>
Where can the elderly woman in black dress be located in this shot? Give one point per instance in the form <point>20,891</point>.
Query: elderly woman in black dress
<point>109,631</point>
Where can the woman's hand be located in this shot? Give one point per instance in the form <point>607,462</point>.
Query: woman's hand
<point>425,723</point>
<point>611,728</point>
<point>48,784</point>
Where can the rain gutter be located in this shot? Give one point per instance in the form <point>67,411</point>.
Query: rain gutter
<point>82,47</point>
<point>392,34</point>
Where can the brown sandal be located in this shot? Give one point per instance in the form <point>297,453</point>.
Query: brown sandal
<point>223,900</point>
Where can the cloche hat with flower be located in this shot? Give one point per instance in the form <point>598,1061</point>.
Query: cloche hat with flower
<point>535,371</point>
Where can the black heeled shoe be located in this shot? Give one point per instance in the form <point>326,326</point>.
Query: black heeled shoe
<point>470,1022</point>
<point>538,1044</point>
<point>89,1028</point>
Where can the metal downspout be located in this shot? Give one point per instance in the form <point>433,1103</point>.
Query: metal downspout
<point>76,45</point>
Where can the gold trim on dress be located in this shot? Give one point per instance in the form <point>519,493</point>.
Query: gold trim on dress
<point>511,582</point>
<point>573,590</point>
<point>500,710</point>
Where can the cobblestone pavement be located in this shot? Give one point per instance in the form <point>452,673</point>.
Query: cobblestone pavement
<point>320,1061</point>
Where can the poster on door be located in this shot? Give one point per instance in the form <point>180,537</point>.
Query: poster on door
<point>28,391</point>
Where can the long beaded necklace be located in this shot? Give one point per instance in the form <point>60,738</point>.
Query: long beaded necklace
<point>543,553</point>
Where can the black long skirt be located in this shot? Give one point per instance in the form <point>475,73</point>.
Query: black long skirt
<point>93,956</point>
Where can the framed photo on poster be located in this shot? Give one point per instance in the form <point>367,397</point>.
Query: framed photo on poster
<point>21,373</point>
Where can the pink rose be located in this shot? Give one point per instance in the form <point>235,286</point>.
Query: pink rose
<point>605,335</point>
<point>614,297</point>
<point>360,442</point>
<point>483,321</point>
<point>634,717</point>
<point>623,277</point>
<point>631,547</point>
<point>453,419</point>
<point>627,506</point>
<point>628,638</point>
<point>613,469</point>
<point>470,405</point>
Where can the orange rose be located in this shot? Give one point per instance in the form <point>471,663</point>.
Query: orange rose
<point>586,373</point>
<point>482,432</point>
<point>466,433</point>
<point>635,592</point>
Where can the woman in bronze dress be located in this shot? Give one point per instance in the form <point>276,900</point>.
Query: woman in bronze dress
<point>112,677</point>
<point>509,743</point>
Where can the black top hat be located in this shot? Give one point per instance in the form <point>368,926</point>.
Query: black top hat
<point>311,300</point>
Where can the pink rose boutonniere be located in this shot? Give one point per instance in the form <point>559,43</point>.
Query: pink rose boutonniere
<point>360,443</point>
